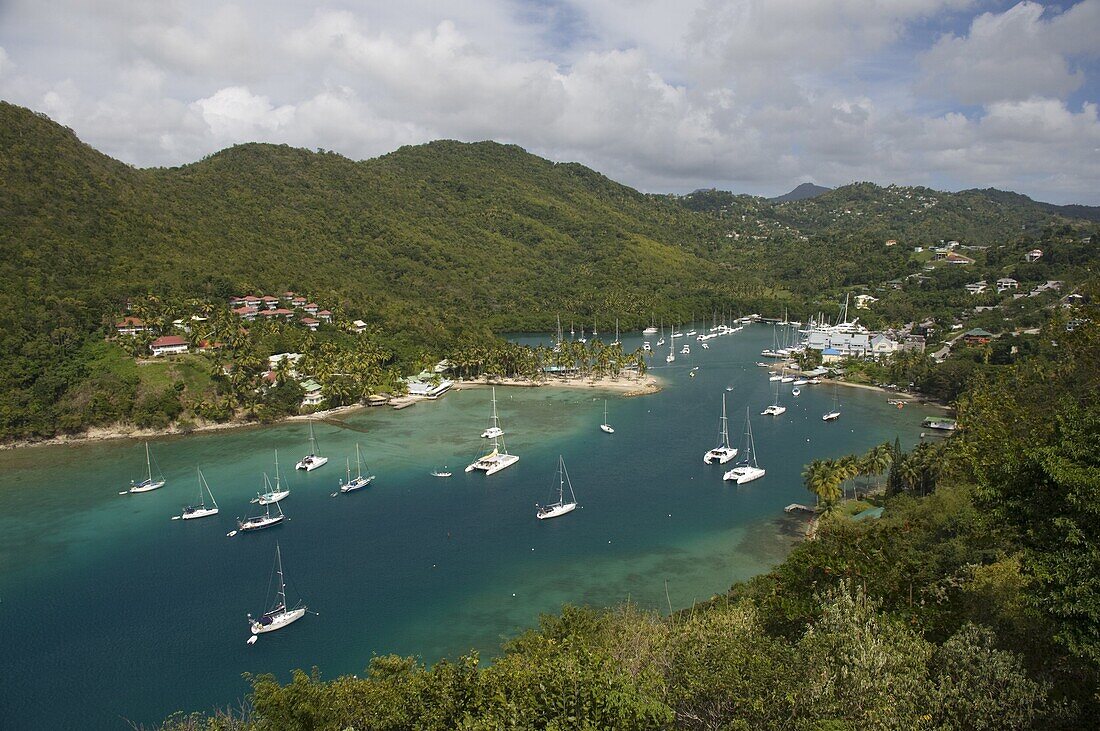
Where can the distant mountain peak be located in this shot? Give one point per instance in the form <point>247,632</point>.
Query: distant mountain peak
<point>801,192</point>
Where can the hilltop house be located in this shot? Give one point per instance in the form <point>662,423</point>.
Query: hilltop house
<point>168,345</point>
<point>1033,255</point>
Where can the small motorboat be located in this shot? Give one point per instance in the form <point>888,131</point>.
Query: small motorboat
<point>441,473</point>
<point>796,391</point>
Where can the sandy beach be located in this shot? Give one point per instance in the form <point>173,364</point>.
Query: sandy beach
<point>625,386</point>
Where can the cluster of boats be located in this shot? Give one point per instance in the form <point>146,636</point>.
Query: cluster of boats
<point>281,614</point>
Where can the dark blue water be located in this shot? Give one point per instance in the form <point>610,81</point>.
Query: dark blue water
<point>110,611</point>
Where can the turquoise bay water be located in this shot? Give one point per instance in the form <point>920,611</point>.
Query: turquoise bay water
<point>110,611</point>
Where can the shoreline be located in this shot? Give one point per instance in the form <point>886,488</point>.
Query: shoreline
<point>627,387</point>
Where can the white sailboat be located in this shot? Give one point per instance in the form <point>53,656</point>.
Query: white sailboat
<point>493,430</point>
<point>561,507</point>
<point>498,457</point>
<point>616,341</point>
<point>359,481</point>
<point>723,452</point>
<point>605,426</point>
<point>149,483</point>
<point>747,469</point>
<point>671,351</point>
<point>312,460</point>
<point>661,340</point>
<point>775,409</point>
<point>259,522</point>
<point>272,493</point>
<point>280,615</point>
<point>201,510</point>
<point>834,414</point>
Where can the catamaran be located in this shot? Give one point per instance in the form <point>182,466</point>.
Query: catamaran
<point>561,507</point>
<point>259,522</point>
<point>201,510</point>
<point>605,426</point>
<point>149,483</point>
<point>723,452</point>
<point>280,615</point>
<point>498,457</point>
<point>312,460</point>
<point>747,469</point>
<point>775,409</point>
<point>272,493</point>
<point>834,414</point>
<point>359,481</point>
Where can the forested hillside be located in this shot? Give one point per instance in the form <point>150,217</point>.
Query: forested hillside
<point>425,244</point>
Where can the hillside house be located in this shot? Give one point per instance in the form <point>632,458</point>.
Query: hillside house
<point>312,308</point>
<point>313,394</point>
<point>246,313</point>
<point>131,326</point>
<point>976,287</point>
<point>955,258</point>
<point>977,336</point>
<point>168,345</point>
<point>1033,255</point>
<point>1006,283</point>
<point>298,302</point>
<point>325,316</point>
<point>270,302</point>
<point>358,326</point>
<point>310,323</point>
<point>864,301</point>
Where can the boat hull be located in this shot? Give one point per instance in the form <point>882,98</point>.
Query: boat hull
<point>741,475</point>
<point>251,525</point>
<point>607,428</point>
<point>492,465</point>
<point>773,411</point>
<point>279,622</point>
<point>199,513</point>
<point>831,416</point>
<point>357,484</point>
<point>721,456</point>
<point>492,432</point>
<point>147,486</point>
<point>553,511</point>
<point>311,463</point>
<point>270,498</point>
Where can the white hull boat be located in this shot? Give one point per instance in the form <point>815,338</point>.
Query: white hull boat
<point>280,615</point>
<point>191,512</point>
<point>312,460</point>
<point>491,432</point>
<point>270,498</point>
<point>747,469</point>
<point>773,410</point>
<point>831,416</point>
<point>149,483</point>
<point>360,480</point>
<point>498,458</point>
<point>723,452</point>
<point>607,428</point>
<point>561,507</point>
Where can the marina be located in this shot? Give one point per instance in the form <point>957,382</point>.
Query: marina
<point>415,565</point>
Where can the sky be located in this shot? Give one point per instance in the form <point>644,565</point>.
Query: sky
<point>753,96</point>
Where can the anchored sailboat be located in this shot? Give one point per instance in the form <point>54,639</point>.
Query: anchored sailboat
<point>272,493</point>
<point>561,507</point>
<point>605,426</point>
<point>834,414</point>
<point>149,483</point>
<point>498,457</point>
<point>775,409</point>
<point>723,452</point>
<point>201,510</point>
<point>747,469</point>
<point>259,522</point>
<point>359,481</point>
<point>312,460</point>
<point>280,615</point>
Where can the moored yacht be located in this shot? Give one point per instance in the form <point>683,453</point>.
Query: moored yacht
<point>312,460</point>
<point>723,452</point>
<point>280,615</point>
<point>747,469</point>
<point>561,507</point>
<point>498,457</point>
<point>201,510</point>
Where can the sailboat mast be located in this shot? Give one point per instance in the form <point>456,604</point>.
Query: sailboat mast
<point>725,425</point>
<point>148,464</point>
<point>358,464</point>
<point>282,583</point>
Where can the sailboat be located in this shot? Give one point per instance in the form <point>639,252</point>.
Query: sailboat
<point>259,522</point>
<point>497,458</point>
<point>494,430</point>
<point>835,413</point>
<point>312,460</point>
<point>652,329</point>
<point>148,484</point>
<point>272,493</point>
<point>605,426</point>
<point>661,340</point>
<point>747,469</point>
<point>616,341</point>
<point>201,510</point>
<point>280,615</point>
<point>671,350</point>
<point>775,409</point>
<point>723,452</point>
<point>359,481</point>
<point>561,507</point>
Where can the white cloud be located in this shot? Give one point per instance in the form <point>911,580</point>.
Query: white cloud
<point>1017,54</point>
<point>748,95</point>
